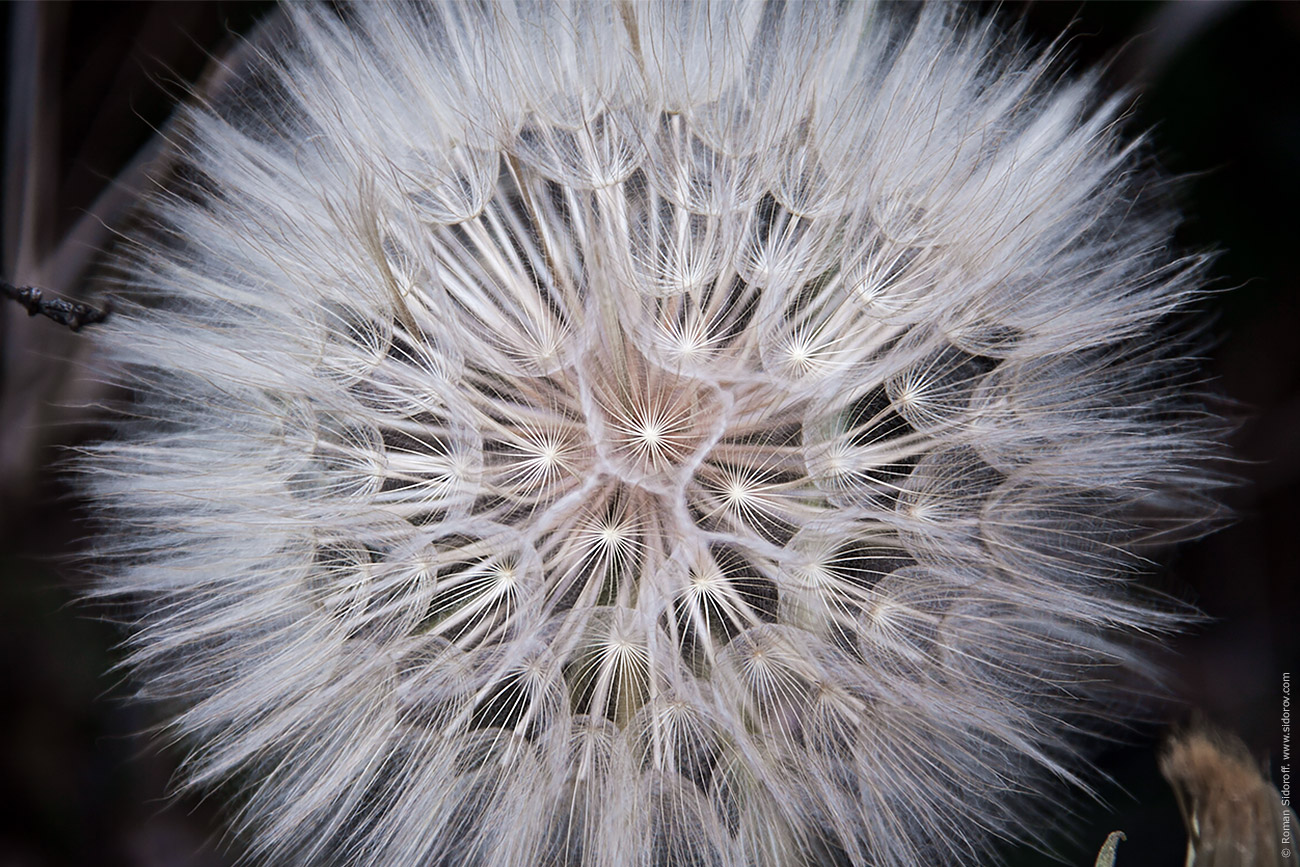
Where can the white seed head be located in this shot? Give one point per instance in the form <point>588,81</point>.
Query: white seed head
<point>608,434</point>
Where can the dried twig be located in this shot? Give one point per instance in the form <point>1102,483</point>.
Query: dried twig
<point>69,313</point>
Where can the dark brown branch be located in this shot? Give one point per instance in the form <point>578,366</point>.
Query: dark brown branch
<point>69,313</point>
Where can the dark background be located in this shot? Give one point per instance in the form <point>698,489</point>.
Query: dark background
<point>1218,86</point>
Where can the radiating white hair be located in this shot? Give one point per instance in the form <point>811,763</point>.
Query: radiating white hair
<point>610,434</point>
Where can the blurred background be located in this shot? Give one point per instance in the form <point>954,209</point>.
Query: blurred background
<point>86,87</point>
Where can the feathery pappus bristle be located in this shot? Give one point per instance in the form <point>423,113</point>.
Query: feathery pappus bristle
<point>663,434</point>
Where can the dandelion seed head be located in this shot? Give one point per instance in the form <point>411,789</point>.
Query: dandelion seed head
<point>603,434</point>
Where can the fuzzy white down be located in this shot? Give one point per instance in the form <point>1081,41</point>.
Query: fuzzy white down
<point>611,434</point>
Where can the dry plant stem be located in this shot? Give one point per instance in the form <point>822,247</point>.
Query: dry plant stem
<point>1233,813</point>
<point>68,313</point>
